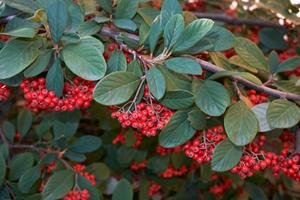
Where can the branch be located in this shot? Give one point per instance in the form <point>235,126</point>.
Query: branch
<point>214,69</point>
<point>236,21</point>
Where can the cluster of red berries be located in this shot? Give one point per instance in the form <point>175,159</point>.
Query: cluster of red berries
<point>196,5</point>
<point>172,172</point>
<point>154,189</point>
<point>148,119</point>
<point>257,98</point>
<point>135,166</point>
<point>4,38</point>
<point>120,138</point>
<point>113,46</point>
<point>202,145</point>
<point>77,94</point>
<point>79,169</point>
<point>164,151</point>
<point>4,92</point>
<point>77,195</point>
<point>223,183</point>
<point>51,167</point>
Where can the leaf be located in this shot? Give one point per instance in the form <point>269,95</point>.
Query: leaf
<point>123,191</point>
<point>55,78</point>
<point>273,61</point>
<point>126,9</point>
<point>148,14</point>
<point>116,88</point>
<point>126,24</point>
<point>254,191</point>
<point>173,30</point>
<point>65,124</point>
<point>184,65</point>
<point>88,28</point>
<point>116,62</point>
<point>92,41</point>
<point>39,65</point>
<point>19,164</point>
<point>197,119</point>
<point>84,60</point>
<point>283,114</point>
<point>250,53</point>
<point>84,183</point>
<point>135,67</point>
<point>156,82</point>
<point>22,32</point>
<point>106,5</point>
<point>211,97</point>
<point>15,56</point>
<point>9,130</point>
<point>193,33</point>
<point>273,38</point>
<point>155,33</point>
<point>24,122</point>
<point>177,131</point>
<point>2,169</point>
<point>168,9</point>
<point>238,61</point>
<point>240,124</point>
<point>260,111</point>
<point>86,144</point>
<point>179,99</point>
<point>225,156</point>
<point>220,38</point>
<point>28,179</point>
<point>58,185</point>
<point>125,155</point>
<point>289,64</point>
<point>57,19</point>
<point>157,164</point>
<point>245,75</point>
<point>100,170</point>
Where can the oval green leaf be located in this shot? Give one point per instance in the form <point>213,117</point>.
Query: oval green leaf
<point>156,82</point>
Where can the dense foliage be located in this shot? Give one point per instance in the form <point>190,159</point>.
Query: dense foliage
<point>137,99</point>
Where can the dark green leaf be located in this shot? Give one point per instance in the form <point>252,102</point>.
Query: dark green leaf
<point>173,30</point>
<point>116,62</point>
<point>245,75</point>
<point>135,67</point>
<point>158,164</point>
<point>9,130</point>
<point>77,157</point>
<point>39,65</point>
<point>116,88</point>
<point>106,5</point>
<point>126,24</point>
<point>177,131</point>
<point>168,9</point>
<point>22,32</point>
<point>2,169</point>
<point>255,192</point>
<point>125,155</point>
<point>148,14</point>
<point>84,183</point>
<point>100,170</point>
<point>24,122</point>
<point>66,123</point>
<point>58,185</point>
<point>57,18</point>
<point>156,82</point>
<point>289,64</point>
<point>55,78</point>
<point>197,119</point>
<point>260,111</point>
<point>88,28</point>
<point>273,61</point>
<point>240,124</point>
<point>220,38</point>
<point>86,144</point>
<point>155,33</point>
<point>126,9</point>
<point>184,65</point>
<point>225,156</point>
<point>179,99</point>
<point>273,38</point>
<point>123,191</point>
<point>28,179</point>
<point>19,164</point>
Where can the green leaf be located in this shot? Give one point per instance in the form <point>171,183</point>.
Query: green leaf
<point>240,124</point>
<point>55,78</point>
<point>174,80</point>
<point>84,183</point>
<point>28,179</point>
<point>184,65</point>
<point>39,65</point>
<point>86,144</point>
<point>245,75</point>
<point>66,123</point>
<point>148,14</point>
<point>22,32</point>
<point>24,122</point>
<point>273,61</point>
<point>260,111</point>
<point>225,156</point>
<point>106,5</point>
<point>9,130</point>
<point>88,28</point>
<point>289,64</point>
<point>173,30</point>
<point>179,99</point>
<point>238,61</point>
<point>19,164</point>
<point>283,114</point>
<point>168,9</point>
<point>255,192</point>
<point>123,191</point>
<point>220,38</point>
<point>193,33</point>
<point>125,155</point>
<point>57,15</point>
<point>2,169</point>
<point>90,40</point>
<point>197,119</point>
<point>15,56</point>
<point>116,62</point>
<point>100,170</point>
<point>211,97</point>
<point>126,24</point>
<point>126,9</point>
<point>58,185</point>
<point>250,53</point>
<point>156,82</point>
<point>116,88</point>
<point>135,67</point>
<point>158,164</point>
<point>84,60</point>
<point>155,33</point>
<point>273,38</point>
<point>177,131</point>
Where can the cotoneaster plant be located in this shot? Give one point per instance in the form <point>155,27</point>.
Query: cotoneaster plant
<point>134,99</point>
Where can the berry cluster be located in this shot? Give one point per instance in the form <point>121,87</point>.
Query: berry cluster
<point>194,5</point>
<point>256,98</point>
<point>164,151</point>
<point>79,169</point>
<point>51,167</point>
<point>171,172</point>
<point>77,94</point>
<point>4,92</point>
<point>135,166</point>
<point>223,183</point>
<point>113,46</point>
<point>120,138</point>
<point>148,119</point>
<point>154,189</point>
<point>201,147</point>
<point>77,195</point>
